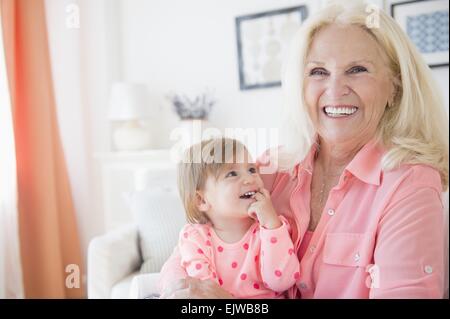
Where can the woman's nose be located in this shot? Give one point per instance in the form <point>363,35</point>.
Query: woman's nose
<point>337,86</point>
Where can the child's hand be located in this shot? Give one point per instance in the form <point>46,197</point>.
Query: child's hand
<point>263,210</point>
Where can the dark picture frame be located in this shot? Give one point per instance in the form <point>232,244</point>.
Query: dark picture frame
<point>262,41</point>
<point>426,24</point>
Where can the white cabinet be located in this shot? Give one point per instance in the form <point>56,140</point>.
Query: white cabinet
<point>124,172</point>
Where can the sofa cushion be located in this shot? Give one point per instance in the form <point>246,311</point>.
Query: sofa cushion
<point>159,214</point>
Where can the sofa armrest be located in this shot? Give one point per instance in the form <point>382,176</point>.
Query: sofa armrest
<point>111,257</point>
<point>145,286</point>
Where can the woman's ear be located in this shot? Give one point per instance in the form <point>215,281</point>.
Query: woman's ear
<point>201,202</point>
<point>392,97</point>
<point>394,90</point>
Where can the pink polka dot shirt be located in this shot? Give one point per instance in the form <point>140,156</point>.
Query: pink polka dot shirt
<point>260,265</point>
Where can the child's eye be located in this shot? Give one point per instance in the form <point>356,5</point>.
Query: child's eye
<point>231,174</point>
<point>357,69</point>
<point>252,170</point>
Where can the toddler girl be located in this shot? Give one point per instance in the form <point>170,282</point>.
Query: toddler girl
<point>234,236</point>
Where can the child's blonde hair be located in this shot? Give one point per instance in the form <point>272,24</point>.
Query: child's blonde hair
<point>200,161</point>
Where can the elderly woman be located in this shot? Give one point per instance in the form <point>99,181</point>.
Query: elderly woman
<point>363,172</point>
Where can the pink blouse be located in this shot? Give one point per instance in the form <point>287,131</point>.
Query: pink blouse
<point>381,233</point>
<point>305,243</point>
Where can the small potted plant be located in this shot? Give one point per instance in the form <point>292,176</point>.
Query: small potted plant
<point>193,114</point>
<point>197,108</point>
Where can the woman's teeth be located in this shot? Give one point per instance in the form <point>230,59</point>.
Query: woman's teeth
<point>340,111</point>
<point>248,195</point>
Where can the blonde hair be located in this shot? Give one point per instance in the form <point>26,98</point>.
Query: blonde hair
<point>200,161</point>
<point>414,129</point>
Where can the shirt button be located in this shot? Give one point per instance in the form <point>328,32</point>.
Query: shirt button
<point>428,269</point>
<point>303,285</point>
<point>312,248</point>
<point>331,212</point>
<point>357,257</point>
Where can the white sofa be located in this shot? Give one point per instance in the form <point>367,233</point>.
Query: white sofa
<point>114,260</point>
<point>136,251</point>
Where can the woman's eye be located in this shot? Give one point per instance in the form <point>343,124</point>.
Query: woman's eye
<point>231,174</point>
<point>318,71</point>
<point>357,69</point>
<point>252,170</point>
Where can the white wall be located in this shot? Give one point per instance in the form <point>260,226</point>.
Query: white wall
<point>177,45</point>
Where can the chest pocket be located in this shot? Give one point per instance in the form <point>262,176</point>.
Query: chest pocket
<point>347,249</point>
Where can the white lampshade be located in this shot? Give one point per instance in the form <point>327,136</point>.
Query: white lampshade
<point>128,102</point>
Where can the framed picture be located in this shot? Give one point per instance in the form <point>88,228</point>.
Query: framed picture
<point>426,23</point>
<point>262,41</point>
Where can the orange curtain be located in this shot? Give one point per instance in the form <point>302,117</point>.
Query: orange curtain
<point>49,240</point>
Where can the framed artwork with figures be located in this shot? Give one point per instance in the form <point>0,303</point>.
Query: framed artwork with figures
<point>426,23</point>
<point>262,42</point>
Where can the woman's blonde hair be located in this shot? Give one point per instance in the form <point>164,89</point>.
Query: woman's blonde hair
<point>200,161</point>
<point>414,128</point>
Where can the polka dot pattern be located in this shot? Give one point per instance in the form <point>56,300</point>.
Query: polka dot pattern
<point>240,262</point>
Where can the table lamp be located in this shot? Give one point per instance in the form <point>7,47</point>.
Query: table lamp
<point>128,106</point>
